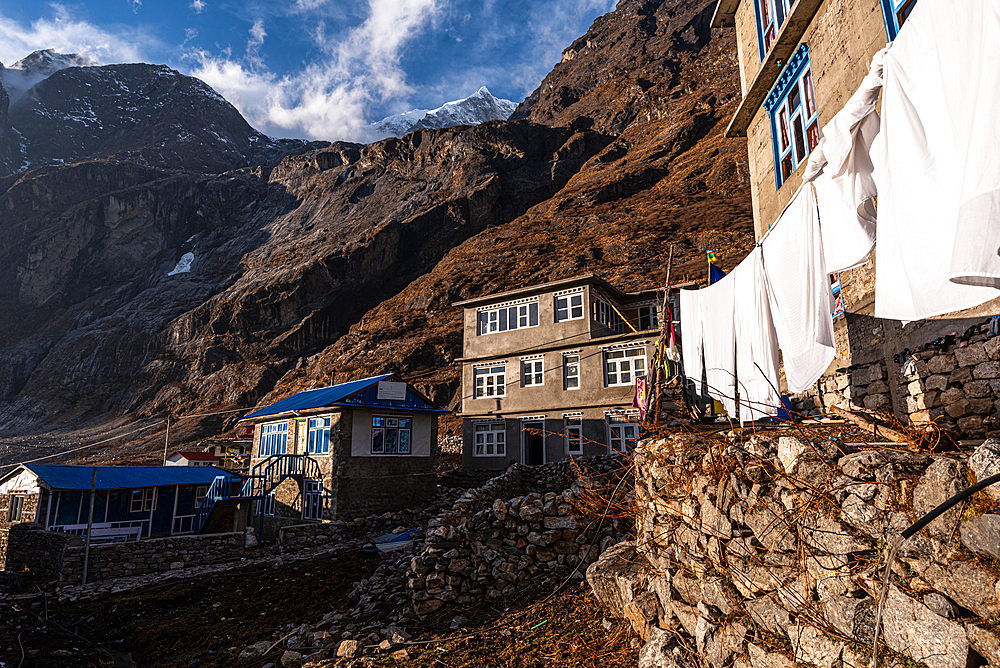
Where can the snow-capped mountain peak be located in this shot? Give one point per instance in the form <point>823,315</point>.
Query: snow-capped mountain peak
<point>28,71</point>
<point>479,107</point>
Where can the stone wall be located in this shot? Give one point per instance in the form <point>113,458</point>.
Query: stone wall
<point>497,540</point>
<point>955,386</point>
<point>150,556</point>
<point>37,552</point>
<point>769,552</point>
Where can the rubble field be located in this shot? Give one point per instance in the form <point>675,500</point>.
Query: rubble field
<point>207,622</point>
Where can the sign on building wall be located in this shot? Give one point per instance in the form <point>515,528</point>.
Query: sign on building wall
<point>391,391</point>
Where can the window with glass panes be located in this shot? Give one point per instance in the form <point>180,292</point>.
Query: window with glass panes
<point>623,432</point>
<point>647,317</point>
<point>623,366</point>
<point>571,372</point>
<point>489,439</point>
<point>794,120</point>
<point>573,430</point>
<point>312,506</point>
<point>14,510</point>
<point>507,317</point>
<point>569,306</point>
<point>605,314</point>
<point>771,14</point>
<point>895,13</point>
<point>391,435</point>
<point>319,435</point>
<point>491,381</point>
<point>273,439</point>
<point>532,372</point>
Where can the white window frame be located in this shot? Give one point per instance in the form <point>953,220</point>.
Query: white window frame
<point>573,433</point>
<point>567,376</point>
<point>389,424</point>
<point>318,435</point>
<point>494,380</point>
<point>15,507</point>
<point>569,305</point>
<point>146,500</point>
<point>266,505</point>
<point>606,315</point>
<point>648,312</point>
<point>273,438</point>
<point>200,492</point>
<point>507,317</point>
<point>615,367</point>
<point>533,371</point>
<point>493,441</point>
<point>312,500</point>
<point>618,429</point>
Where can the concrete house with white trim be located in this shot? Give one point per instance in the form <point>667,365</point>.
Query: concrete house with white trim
<point>342,452</point>
<point>548,371</point>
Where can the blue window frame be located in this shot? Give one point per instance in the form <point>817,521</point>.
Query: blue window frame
<point>794,121</point>
<point>319,435</point>
<point>895,13</point>
<point>771,15</point>
<point>273,439</point>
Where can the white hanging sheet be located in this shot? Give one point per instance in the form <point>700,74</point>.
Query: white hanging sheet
<point>974,108</point>
<point>798,289</point>
<point>692,341</point>
<point>756,344</point>
<point>719,333</point>
<point>841,169</point>
<point>936,156</point>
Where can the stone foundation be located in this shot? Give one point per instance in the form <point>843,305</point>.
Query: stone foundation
<point>769,553</point>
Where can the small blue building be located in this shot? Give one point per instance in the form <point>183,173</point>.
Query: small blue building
<point>130,502</point>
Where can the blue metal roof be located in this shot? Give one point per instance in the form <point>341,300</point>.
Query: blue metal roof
<point>357,393</point>
<point>125,477</point>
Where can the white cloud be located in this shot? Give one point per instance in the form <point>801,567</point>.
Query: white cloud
<point>136,4</point>
<point>327,100</point>
<point>189,34</point>
<point>198,6</point>
<point>67,35</point>
<point>257,33</point>
<point>308,5</point>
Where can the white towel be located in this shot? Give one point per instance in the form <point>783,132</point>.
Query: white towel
<point>720,342</point>
<point>935,148</point>
<point>756,345</point>
<point>692,340</point>
<point>798,290</point>
<point>841,169</point>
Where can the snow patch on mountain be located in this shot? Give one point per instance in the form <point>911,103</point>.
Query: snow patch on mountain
<point>28,71</point>
<point>478,108</point>
<point>183,265</point>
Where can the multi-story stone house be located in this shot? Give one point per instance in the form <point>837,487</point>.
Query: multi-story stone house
<point>800,61</point>
<point>549,371</point>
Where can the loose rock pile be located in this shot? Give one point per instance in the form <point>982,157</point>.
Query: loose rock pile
<point>546,540</point>
<point>765,553</point>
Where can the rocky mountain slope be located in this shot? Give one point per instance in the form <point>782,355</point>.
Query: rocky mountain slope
<point>478,108</point>
<point>343,261</point>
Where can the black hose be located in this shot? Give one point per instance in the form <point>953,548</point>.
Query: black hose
<point>961,496</point>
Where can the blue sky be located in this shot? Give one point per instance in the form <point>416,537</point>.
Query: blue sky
<point>317,69</point>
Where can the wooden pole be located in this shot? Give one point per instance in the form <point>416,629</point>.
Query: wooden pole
<point>90,524</point>
<point>166,442</point>
<point>890,434</point>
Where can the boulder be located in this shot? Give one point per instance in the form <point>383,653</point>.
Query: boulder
<point>615,576</point>
<point>944,478</point>
<point>911,628</point>
<point>663,651</point>
<point>982,535</point>
<point>985,462</point>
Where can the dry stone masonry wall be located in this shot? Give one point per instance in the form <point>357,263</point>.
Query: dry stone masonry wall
<point>500,539</point>
<point>957,386</point>
<point>768,552</point>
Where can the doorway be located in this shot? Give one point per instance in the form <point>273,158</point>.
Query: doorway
<point>533,443</point>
